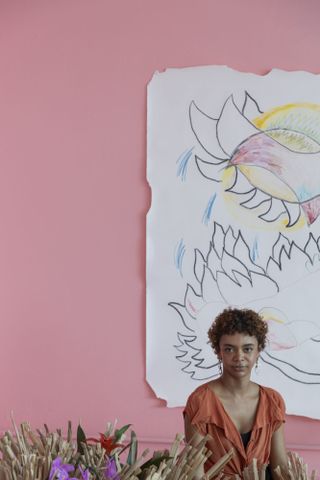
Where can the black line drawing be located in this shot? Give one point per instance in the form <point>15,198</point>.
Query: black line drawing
<point>273,155</point>
<point>227,275</point>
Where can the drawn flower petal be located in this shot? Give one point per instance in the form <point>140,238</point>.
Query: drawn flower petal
<point>193,302</point>
<point>256,200</point>
<point>188,320</point>
<point>293,264</point>
<point>242,252</point>
<point>311,248</point>
<point>293,211</point>
<point>250,107</point>
<point>273,269</point>
<point>199,264</point>
<point>205,130</point>
<point>233,128</point>
<point>263,285</point>
<point>281,243</point>
<point>274,212</point>
<point>240,185</point>
<point>210,289</point>
<point>229,241</point>
<point>218,239</point>
<point>213,262</point>
<point>312,209</point>
<point>231,264</point>
<point>280,337</point>
<point>236,292</point>
<point>211,171</point>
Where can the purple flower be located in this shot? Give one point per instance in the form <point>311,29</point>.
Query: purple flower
<point>111,471</point>
<point>85,473</point>
<point>60,471</point>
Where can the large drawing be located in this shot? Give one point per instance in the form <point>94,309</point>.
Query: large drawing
<point>234,168</point>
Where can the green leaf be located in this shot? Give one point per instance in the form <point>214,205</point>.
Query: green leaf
<point>154,461</point>
<point>69,437</point>
<point>118,433</point>
<point>133,452</point>
<point>81,438</point>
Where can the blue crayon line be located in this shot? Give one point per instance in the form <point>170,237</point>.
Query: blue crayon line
<point>179,252</point>
<point>208,211</point>
<point>182,162</point>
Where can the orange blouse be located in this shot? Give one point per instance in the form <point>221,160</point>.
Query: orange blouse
<point>207,414</point>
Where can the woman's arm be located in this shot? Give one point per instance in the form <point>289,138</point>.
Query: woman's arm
<point>192,434</point>
<point>278,455</point>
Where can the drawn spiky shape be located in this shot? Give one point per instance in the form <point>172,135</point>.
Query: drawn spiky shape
<point>228,276</point>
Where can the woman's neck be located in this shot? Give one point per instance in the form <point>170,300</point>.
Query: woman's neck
<point>235,387</point>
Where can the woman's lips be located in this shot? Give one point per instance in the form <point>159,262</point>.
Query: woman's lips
<point>239,367</point>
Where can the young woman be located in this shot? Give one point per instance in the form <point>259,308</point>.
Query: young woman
<point>236,412</point>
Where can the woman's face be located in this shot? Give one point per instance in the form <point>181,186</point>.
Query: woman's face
<point>238,353</point>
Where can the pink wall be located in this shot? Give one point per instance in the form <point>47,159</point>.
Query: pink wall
<point>73,194</point>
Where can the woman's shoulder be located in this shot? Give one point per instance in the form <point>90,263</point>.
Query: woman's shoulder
<point>273,397</point>
<point>201,393</point>
<point>200,404</point>
<point>270,392</point>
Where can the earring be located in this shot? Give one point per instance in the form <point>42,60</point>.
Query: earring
<point>257,366</point>
<point>220,367</point>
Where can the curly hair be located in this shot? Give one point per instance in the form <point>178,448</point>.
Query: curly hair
<point>234,320</point>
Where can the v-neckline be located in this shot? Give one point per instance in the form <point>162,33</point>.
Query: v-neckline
<point>231,422</point>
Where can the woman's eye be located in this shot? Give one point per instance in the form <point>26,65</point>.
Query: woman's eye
<point>248,350</point>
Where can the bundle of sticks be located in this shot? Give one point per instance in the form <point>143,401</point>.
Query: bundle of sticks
<point>27,455</point>
<point>184,464</point>
<point>30,455</point>
<point>297,470</point>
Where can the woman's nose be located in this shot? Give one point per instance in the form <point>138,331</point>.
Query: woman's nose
<point>239,355</point>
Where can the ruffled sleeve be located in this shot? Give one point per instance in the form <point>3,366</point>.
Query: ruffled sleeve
<point>281,410</point>
<point>195,411</point>
<point>272,409</point>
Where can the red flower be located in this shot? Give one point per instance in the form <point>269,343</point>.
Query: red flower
<point>108,443</point>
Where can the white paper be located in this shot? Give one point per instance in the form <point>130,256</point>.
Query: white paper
<point>234,168</point>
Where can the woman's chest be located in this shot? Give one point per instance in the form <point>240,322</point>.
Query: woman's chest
<point>242,413</point>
